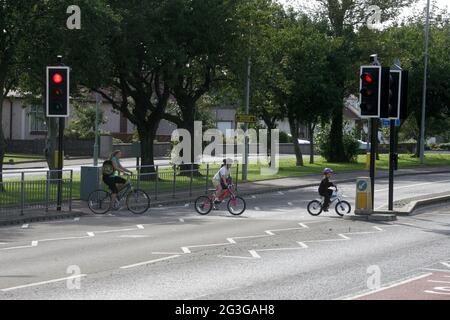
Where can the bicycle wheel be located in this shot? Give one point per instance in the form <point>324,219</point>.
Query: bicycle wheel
<point>138,201</point>
<point>100,202</point>
<point>315,208</point>
<point>236,206</point>
<point>203,205</point>
<point>343,208</point>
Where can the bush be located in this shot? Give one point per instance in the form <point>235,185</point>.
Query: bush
<point>351,145</point>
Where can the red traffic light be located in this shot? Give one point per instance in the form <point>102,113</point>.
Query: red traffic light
<point>367,78</point>
<point>57,78</point>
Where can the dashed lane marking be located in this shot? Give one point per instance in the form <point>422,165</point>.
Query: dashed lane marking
<point>149,262</point>
<point>25,226</point>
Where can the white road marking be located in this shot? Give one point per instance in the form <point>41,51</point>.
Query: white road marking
<point>91,234</point>
<point>186,205</point>
<point>34,243</point>
<point>290,204</point>
<point>446,264</point>
<point>149,262</point>
<point>253,197</point>
<point>140,226</point>
<point>231,240</point>
<point>390,286</point>
<point>254,254</point>
<point>281,193</point>
<point>435,269</point>
<point>186,250</point>
<point>303,245</point>
<point>413,185</point>
<point>43,283</point>
<point>437,281</point>
<point>181,220</point>
<point>133,236</point>
<point>303,225</point>
<point>76,219</point>
<point>25,226</point>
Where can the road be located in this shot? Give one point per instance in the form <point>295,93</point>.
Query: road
<point>274,251</point>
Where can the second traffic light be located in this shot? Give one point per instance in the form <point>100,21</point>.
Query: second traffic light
<point>373,94</point>
<point>396,105</point>
<point>57,91</point>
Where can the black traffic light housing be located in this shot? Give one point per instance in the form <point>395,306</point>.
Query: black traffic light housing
<point>57,92</point>
<point>397,90</point>
<point>373,93</point>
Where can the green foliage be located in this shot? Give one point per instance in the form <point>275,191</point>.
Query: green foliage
<point>351,145</point>
<point>285,138</point>
<point>83,125</point>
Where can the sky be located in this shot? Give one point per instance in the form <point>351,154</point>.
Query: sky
<point>420,4</point>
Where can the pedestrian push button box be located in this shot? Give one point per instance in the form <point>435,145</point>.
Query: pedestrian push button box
<point>363,196</point>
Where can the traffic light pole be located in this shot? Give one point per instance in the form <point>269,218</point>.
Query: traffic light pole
<point>373,150</point>
<point>60,153</point>
<point>392,159</point>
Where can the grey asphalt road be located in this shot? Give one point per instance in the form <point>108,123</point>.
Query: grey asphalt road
<point>274,251</point>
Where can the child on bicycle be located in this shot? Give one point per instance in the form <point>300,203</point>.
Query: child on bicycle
<point>221,178</point>
<point>324,188</point>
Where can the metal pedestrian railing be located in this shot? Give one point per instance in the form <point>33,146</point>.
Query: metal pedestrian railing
<point>35,190</point>
<point>171,181</point>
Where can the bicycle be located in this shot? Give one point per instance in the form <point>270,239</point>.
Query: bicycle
<point>136,200</point>
<point>342,207</point>
<point>236,205</point>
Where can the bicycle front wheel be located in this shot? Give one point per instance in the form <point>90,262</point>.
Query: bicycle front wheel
<point>343,208</point>
<point>237,206</point>
<point>203,205</point>
<point>138,201</point>
<point>315,208</point>
<point>99,202</point>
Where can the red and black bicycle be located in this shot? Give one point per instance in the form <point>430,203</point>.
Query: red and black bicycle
<point>236,205</point>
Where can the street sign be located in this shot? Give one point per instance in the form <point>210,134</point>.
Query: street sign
<point>387,123</point>
<point>246,118</point>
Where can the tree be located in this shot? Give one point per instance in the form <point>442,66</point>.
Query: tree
<point>201,33</point>
<point>14,29</point>
<point>345,17</point>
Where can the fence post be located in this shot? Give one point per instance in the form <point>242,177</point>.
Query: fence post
<point>22,194</point>
<point>47,191</point>
<point>174,180</point>
<point>156,182</point>
<point>207,178</point>
<point>237,176</point>
<point>192,177</point>
<point>138,183</point>
<point>70,190</point>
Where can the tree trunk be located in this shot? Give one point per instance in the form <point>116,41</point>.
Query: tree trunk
<point>187,123</point>
<point>336,137</point>
<point>311,128</point>
<point>147,136</point>
<point>293,124</point>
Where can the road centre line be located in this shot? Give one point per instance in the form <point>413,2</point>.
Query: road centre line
<point>149,262</point>
<point>43,283</point>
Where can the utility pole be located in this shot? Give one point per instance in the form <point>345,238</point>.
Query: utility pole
<point>424,95</point>
<point>247,111</point>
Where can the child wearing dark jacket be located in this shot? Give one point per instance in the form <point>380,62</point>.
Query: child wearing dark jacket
<point>324,188</point>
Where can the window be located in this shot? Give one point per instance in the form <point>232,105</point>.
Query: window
<point>38,123</point>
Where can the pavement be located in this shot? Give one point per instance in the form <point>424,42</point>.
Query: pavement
<point>274,251</point>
